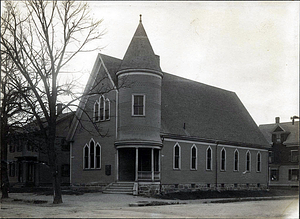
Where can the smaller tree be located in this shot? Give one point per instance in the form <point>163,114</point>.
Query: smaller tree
<point>41,41</point>
<point>12,113</point>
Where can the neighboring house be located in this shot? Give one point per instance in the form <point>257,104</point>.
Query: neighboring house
<point>161,131</point>
<point>284,152</point>
<point>27,156</point>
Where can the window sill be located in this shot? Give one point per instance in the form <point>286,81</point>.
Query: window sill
<point>98,121</point>
<point>91,169</point>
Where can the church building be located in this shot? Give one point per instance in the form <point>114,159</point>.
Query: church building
<point>141,130</point>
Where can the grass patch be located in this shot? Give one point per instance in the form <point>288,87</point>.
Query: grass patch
<point>30,201</point>
<point>227,194</point>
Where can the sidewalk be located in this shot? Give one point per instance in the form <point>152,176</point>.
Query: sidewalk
<point>21,205</point>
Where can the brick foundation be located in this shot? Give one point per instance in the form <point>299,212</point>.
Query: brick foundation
<point>148,189</point>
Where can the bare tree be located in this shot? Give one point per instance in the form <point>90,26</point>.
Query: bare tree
<point>10,111</point>
<point>41,41</point>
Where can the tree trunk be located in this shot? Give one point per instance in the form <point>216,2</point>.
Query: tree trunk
<point>4,172</point>
<point>57,196</point>
<point>56,182</point>
<point>4,179</point>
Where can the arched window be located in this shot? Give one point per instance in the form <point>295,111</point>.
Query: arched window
<point>98,156</point>
<point>258,165</point>
<point>96,111</point>
<point>209,158</point>
<point>223,160</point>
<point>236,160</point>
<point>107,109</point>
<point>248,161</point>
<point>177,157</point>
<point>194,157</point>
<point>92,155</point>
<point>86,157</point>
<point>102,103</point>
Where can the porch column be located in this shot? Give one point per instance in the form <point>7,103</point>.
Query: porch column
<point>136,164</point>
<point>152,164</point>
<point>117,165</point>
<point>159,165</point>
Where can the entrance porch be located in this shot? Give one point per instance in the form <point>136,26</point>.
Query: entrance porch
<point>138,164</point>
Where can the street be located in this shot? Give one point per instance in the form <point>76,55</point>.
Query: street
<point>117,206</point>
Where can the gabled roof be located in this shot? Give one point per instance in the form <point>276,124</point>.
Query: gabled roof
<point>278,128</point>
<point>288,127</point>
<point>140,54</point>
<point>190,108</point>
<point>112,64</point>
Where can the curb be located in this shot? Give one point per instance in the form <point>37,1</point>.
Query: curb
<point>251,199</point>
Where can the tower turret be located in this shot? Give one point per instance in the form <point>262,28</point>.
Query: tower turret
<point>140,102</point>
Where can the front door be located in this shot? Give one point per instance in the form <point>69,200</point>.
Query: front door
<point>127,158</point>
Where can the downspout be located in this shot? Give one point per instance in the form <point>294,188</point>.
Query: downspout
<point>117,106</point>
<point>117,154</point>
<point>71,157</point>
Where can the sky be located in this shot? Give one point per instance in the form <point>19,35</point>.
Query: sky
<point>250,48</point>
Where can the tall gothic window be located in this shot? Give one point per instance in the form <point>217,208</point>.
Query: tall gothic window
<point>177,157</point>
<point>194,158</point>
<point>107,109</point>
<point>209,158</point>
<point>248,161</point>
<point>258,164</point>
<point>98,156</point>
<point>86,157</point>
<point>96,111</point>
<point>102,102</point>
<point>236,160</point>
<point>223,159</point>
<point>92,154</point>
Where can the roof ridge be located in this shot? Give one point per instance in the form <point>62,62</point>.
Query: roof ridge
<point>109,56</point>
<point>194,81</point>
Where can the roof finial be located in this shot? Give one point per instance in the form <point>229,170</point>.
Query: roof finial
<point>140,18</point>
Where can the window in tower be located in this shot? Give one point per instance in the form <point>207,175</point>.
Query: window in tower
<point>138,105</point>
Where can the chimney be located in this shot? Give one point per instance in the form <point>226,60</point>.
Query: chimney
<point>277,119</point>
<point>59,108</point>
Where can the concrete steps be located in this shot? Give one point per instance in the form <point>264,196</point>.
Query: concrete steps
<point>120,188</point>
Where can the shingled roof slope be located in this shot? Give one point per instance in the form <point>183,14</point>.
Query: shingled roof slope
<point>112,64</point>
<point>293,137</point>
<point>140,54</point>
<point>194,109</point>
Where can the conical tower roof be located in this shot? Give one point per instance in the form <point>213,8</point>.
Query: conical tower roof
<point>140,55</point>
